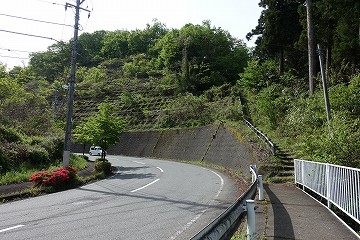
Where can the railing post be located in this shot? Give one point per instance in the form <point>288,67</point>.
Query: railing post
<point>251,231</point>
<point>260,188</point>
<point>328,186</point>
<point>302,176</point>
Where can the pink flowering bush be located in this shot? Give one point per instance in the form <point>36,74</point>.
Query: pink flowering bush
<point>56,178</point>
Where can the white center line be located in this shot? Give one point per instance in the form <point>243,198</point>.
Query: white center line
<point>145,185</point>
<point>160,169</point>
<point>11,228</point>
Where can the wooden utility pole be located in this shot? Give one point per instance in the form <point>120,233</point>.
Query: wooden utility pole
<point>311,46</point>
<point>67,141</point>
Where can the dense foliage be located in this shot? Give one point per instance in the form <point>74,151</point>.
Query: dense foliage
<point>282,31</point>
<point>161,78</point>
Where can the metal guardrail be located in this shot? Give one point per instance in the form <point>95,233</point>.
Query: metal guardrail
<point>226,222</point>
<point>262,136</point>
<point>338,185</point>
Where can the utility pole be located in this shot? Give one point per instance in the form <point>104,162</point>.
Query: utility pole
<point>67,142</point>
<point>311,46</point>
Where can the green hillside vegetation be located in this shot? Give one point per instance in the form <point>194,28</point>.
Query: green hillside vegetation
<point>160,78</point>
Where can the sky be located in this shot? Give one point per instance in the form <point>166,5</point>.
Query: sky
<point>47,21</point>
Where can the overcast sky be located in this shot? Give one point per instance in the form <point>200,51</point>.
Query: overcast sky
<point>236,16</point>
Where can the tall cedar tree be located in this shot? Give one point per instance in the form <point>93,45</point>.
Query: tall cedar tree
<point>278,30</point>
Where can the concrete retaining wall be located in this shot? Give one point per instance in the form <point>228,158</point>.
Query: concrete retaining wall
<point>229,150</point>
<point>184,144</point>
<point>218,144</point>
<point>140,144</point>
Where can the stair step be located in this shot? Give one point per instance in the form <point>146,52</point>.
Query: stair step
<point>285,173</point>
<point>283,179</point>
<point>287,162</point>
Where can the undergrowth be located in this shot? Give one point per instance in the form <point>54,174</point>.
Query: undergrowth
<point>23,173</point>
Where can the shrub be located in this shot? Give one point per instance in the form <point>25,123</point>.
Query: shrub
<point>185,111</point>
<point>57,178</point>
<point>38,155</point>
<point>52,144</point>
<point>9,134</point>
<point>103,165</point>
<point>4,162</point>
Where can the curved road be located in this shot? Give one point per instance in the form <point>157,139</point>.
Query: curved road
<point>145,199</point>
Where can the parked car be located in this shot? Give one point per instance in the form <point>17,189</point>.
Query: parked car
<point>95,150</point>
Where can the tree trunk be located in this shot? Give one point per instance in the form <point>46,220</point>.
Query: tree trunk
<point>328,61</point>
<point>281,62</point>
<point>311,46</point>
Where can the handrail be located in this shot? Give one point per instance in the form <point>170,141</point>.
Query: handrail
<point>338,185</point>
<point>223,224</point>
<point>262,136</point>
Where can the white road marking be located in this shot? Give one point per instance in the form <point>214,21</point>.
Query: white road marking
<point>221,184</point>
<point>11,228</point>
<point>139,162</point>
<point>82,202</point>
<point>187,225</point>
<point>145,185</point>
<point>160,169</point>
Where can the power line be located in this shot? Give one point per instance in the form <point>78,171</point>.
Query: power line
<point>53,3</point>
<point>13,50</point>
<point>13,57</point>
<point>29,35</point>
<point>35,20</point>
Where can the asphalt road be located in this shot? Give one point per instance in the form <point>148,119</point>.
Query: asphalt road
<point>146,199</point>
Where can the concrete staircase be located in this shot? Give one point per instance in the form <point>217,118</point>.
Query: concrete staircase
<point>282,169</point>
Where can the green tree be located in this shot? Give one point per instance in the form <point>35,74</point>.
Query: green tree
<point>259,75</point>
<point>51,63</point>
<point>25,103</point>
<point>102,129</point>
<point>203,55</point>
<point>279,29</point>
<point>142,41</point>
<point>115,44</point>
<point>90,45</point>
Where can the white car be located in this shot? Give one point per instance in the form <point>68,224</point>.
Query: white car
<point>95,150</point>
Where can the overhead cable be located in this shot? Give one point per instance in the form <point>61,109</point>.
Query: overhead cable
<point>13,50</point>
<point>27,34</point>
<point>35,20</point>
<point>53,3</point>
<point>13,57</point>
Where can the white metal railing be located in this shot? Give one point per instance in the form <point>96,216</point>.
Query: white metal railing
<point>339,185</point>
<point>261,136</point>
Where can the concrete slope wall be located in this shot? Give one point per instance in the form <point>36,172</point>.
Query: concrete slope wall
<point>229,149</point>
<point>140,144</point>
<point>218,144</point>
<point>184,144</point>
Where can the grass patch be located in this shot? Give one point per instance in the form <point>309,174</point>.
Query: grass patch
<point>78,161</point>
<point>23,173</point>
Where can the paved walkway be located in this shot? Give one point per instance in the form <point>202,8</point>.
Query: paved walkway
<point>289,213</point>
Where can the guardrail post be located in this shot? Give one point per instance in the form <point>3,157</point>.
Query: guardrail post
<point>260,188</point>
<point>250,208</point>
<point>253,176</point>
